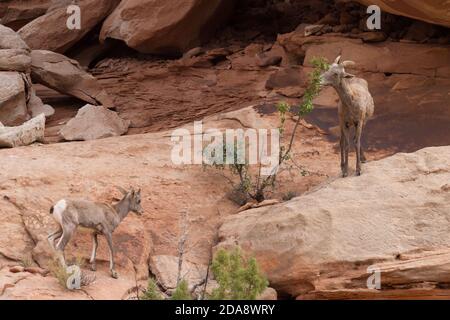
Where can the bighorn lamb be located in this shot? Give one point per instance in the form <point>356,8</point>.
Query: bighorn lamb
<point>101,218</point>
<point>355,108</point>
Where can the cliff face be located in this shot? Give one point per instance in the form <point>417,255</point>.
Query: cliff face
<point>432,11</point>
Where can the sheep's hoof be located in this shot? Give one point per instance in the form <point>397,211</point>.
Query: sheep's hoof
<point>114,274</point>
<point>344,174</point>
<point>93,267</point>
<point>358,172</point>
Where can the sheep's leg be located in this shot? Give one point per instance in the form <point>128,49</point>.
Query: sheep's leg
<point>94,251</point>
<point>111,256</point>
<point>345,145</point>
<point>358,147</point>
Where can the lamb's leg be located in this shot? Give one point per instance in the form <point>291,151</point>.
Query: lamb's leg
<point>345,138</point>
<point>94,251</point>
<point>111,256</point>
<point>53,236</point>
<point>358,147</point>
<point>67,234</point>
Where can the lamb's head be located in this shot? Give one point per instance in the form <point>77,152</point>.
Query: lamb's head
<point>135,205</point>
<point>134,198</point>
<point>334,75</point>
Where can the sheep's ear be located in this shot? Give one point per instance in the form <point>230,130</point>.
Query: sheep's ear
<point>348,63</point>
<point>337,60</point>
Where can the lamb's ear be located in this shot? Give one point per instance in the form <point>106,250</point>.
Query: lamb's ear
<point>348,75</point>
<point>348,63</point>
<point>122,190</point>
<point>337,60</point>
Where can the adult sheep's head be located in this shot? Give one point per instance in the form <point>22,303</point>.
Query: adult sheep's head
<point>334,75</point>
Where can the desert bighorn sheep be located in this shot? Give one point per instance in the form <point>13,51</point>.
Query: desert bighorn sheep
<point>355,108</point>
<point>101,218</point>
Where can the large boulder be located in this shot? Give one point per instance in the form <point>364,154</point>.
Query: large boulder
<point>65,75</point>
<point>50,31</point>
<point>13,100</point>
<point>394,218</point>
<point>9,39</point>
<point>15,60</point>
<point>165,27</point>
<point>165,269</point>
<point>94,122</point>
<point>29,132</point>
<point>432,11</point>
<point>18,13</point>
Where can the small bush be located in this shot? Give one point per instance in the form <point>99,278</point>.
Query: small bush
<point>152,292</point>
<point>182,292</point>
<point>61,274</point>
<point>26,262</point>
<point>238,278</point>
<point>252,184</point>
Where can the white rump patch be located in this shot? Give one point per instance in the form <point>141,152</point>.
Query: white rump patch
<point>58,209</point>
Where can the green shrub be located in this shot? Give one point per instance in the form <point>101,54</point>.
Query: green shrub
<point>238,278</point>
<point>152,292</point>
<point>182,292</point>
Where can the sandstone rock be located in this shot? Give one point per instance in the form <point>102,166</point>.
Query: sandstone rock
<point>313,29</point>
<point>11,40</point>
<point>19,13</point>
<point>42,32</point>
<point>62,74</point>
<point>165,269</point>
<point>15,60</point>
<point>426,10</point>
<point>13,107</point>
<point>420,31</point>
<point>36,270</point>
<point>373,36</point>
<point>35,287</point>
<point>16,269</point>
<point>391,57</point>
<point>286,77</point>
<point>94,122</point>
<point>268,294</point>
<point>29,132</point>
<point>266,61</point>
<point>36,106</point>
<point>15,242</point>
<point>326,239</point>
<point>165,27</point>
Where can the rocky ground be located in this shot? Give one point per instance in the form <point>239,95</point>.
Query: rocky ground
<point>317,245</point>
